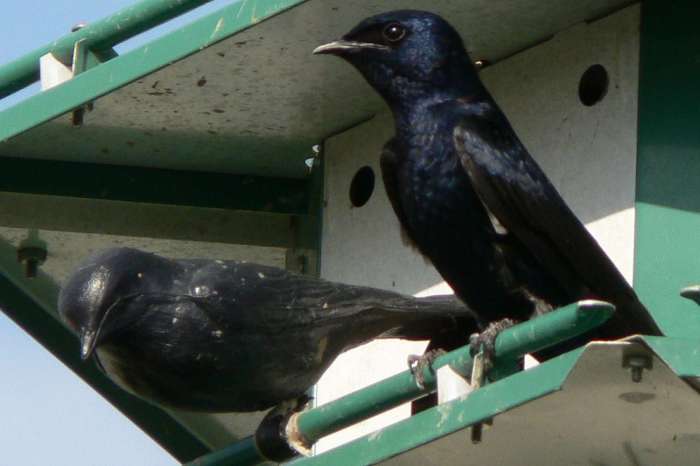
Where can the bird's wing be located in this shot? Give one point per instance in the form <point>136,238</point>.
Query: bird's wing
<point>275,300</point>
<point>389,162</point>
<point>514,189</point>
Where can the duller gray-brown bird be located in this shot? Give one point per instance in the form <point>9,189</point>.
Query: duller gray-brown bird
<point>209,335</point>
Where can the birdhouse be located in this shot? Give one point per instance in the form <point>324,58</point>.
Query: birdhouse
<point>227,139</point>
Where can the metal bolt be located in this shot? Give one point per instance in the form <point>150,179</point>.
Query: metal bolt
<point>303,261</point>
<point>31,258</point>
<point>309,162</point>
<point>477,432</point>
<point>478,378</point>
<point>636,364</point>
<point>78,27</point>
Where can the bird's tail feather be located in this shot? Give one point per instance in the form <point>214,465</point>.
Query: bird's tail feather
<point>428,317</point>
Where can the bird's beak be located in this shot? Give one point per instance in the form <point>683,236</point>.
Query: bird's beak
<point>339,47</point>
<point>88,339</point>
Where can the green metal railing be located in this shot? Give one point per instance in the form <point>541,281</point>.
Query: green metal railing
<point>99,36</point>
<point>530,336</point>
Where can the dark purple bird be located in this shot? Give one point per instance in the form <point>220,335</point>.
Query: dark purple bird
<point>466,191</point>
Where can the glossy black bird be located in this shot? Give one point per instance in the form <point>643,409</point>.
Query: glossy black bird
<point>218,336</point>
<point>466,191</point>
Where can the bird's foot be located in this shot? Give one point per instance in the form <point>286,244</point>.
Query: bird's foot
<point>485,342</point>
<point>417,364</point>
<point>288,407</point>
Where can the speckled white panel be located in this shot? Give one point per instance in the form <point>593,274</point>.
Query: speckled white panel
<point>588,152</point>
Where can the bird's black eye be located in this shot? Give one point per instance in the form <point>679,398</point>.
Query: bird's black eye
<point>394,32</point>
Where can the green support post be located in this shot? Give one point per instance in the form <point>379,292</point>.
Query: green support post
<point>667,256</point>
<point>530,336</point>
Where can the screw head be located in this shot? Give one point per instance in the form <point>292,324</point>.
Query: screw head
<point>636,363</point>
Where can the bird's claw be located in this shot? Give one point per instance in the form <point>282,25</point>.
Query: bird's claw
<point>485,342</point>
<point>417,365</point>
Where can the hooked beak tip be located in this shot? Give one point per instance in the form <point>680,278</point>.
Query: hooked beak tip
<point>87,343</point>
<point>329,48</point>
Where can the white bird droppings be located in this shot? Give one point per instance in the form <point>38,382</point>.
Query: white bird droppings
<point>261,275</point>
<point>217,333</point>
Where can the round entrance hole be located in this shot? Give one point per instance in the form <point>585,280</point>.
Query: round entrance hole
<point>593,85</point>
<point>362,186</point>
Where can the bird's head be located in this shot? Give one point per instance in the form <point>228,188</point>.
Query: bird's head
<point>407,55</point>
<point>93,300</point>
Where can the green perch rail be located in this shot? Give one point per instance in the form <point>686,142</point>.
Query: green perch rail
<point>309,426</point>
<point>99,36</point>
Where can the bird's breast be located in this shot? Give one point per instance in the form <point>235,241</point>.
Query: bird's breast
<point>438,197</point>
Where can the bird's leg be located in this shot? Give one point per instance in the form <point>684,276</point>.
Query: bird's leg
<point>276,436</point>
<point>417,364</point>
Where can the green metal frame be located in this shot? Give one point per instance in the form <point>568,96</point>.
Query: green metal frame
<point>488,402</point>
<point>141,61</point>
<point>452,416</point>
<point>154,185</point>
<point>99,36</point>
<point>668,164</point>
<point>305,254</point>
<point>530,336</point>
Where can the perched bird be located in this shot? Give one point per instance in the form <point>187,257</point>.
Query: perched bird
<point>206,335</point>
<point>466,191</point>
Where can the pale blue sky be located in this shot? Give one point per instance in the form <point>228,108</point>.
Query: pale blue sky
<point>49,416</point>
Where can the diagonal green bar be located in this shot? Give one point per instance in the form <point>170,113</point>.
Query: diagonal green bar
<point>452,416</point>
<point>141,61</point>
<point>667,204</point>
<point>101,35</point>
<point>530,336</point>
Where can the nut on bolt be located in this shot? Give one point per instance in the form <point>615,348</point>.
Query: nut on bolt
<point>31,257</point>
<point>636,364</point>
